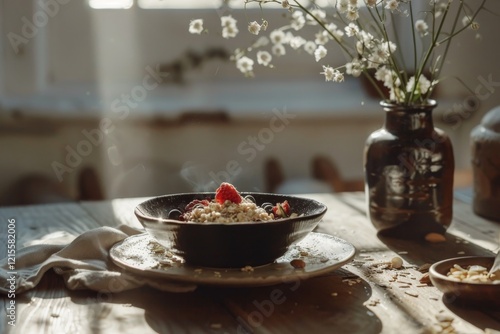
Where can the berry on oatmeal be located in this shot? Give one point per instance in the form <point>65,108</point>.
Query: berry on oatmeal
<point>195,202</point>
<point>227,192</point>
<point>229,206</point>
<point>281,210</point>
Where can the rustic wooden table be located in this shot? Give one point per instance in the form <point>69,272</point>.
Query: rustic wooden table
<point>361,297</point>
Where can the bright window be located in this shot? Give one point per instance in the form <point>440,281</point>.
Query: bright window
<point>111,4</point>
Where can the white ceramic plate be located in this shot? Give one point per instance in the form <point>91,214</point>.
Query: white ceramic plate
<point>321,253</point>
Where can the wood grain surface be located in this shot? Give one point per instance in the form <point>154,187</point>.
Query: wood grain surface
<point>364,296</point>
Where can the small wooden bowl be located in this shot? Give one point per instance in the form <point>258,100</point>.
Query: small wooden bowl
<point>465,293</point>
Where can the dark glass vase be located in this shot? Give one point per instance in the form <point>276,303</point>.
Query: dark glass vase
<point>409,167</point>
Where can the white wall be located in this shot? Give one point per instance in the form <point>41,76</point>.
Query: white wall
<point>92,57</point>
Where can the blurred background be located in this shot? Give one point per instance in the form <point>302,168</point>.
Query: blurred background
<point>105,99</point>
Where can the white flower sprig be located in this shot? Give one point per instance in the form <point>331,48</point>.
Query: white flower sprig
<point>366,37</point>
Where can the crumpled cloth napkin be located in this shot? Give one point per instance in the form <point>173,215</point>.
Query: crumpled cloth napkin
<point>84,263</point>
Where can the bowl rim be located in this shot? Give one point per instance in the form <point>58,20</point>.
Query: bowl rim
<point>436,274</point>
<point>158,220</point>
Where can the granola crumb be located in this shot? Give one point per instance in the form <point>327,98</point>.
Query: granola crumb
<point>435,237</point>
<point>372,302</point>
<point>298,264</point>
<point>411,293</point>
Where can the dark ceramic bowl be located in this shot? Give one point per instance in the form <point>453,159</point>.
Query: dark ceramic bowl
<point>476,294</point>
<point>230,245</point>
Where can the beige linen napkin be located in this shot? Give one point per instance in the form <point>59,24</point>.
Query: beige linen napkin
<point>84,263</point>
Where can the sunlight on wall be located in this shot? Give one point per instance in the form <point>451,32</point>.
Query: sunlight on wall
<point>182,4</point>
<point>111,4</point>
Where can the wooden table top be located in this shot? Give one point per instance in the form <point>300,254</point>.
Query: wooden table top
<point>361,297</point>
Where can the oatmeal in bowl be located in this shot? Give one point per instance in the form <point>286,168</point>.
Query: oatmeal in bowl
<point>229,229</point>
<point>228,206</point>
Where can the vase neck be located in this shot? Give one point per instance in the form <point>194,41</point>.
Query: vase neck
<point>403,121</point>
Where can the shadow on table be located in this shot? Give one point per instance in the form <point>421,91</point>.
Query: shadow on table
<point>323,304</point>
<point>319,305</point>
<point>421,251</point>
<point>482,316</point>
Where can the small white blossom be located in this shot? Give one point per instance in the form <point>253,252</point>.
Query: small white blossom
<point>196,26</point>
<point>254,27</point>
<point>297,42</point>
<point>264,58</point>
<point>392,5</point>
<point>310,47</point>
<point>440,9</point>
<point>421,27</point>
<point>277,36</point>
<point>422,87</point>
<point>318,14</point>
<point>320,52</point>
<point>382,74</point>
<point>332,74</point>
<point>395,94</point>
<point>354,68</point>
<point>245,65</point>
<point>298,20</point>
<point>288,37</point>
<point>278,50</point>
<point>227,21</point>
<point>352,13</point>
<point>285,4</point>
<point>466,20</point>
<point>388,77</point>
<point>351,30</point>
<point>367,38</point>
<point>332,29</point>
<point>228,32</point>
<point>321,38</point>
<point>229,28</point>
<point>342,6</point>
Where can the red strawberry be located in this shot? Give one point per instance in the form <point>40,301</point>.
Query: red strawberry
<point>227,192</point>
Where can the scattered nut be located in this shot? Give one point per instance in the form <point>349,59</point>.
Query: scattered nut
<point>425,279</point>
<point>411,293</point>
<point>396,262</point>
<point>298,264</point>
<point>444,318</point>
<point>424,268</point>
<point>435,237</point>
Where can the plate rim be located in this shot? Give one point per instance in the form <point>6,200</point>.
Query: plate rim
<point>159,274</point>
